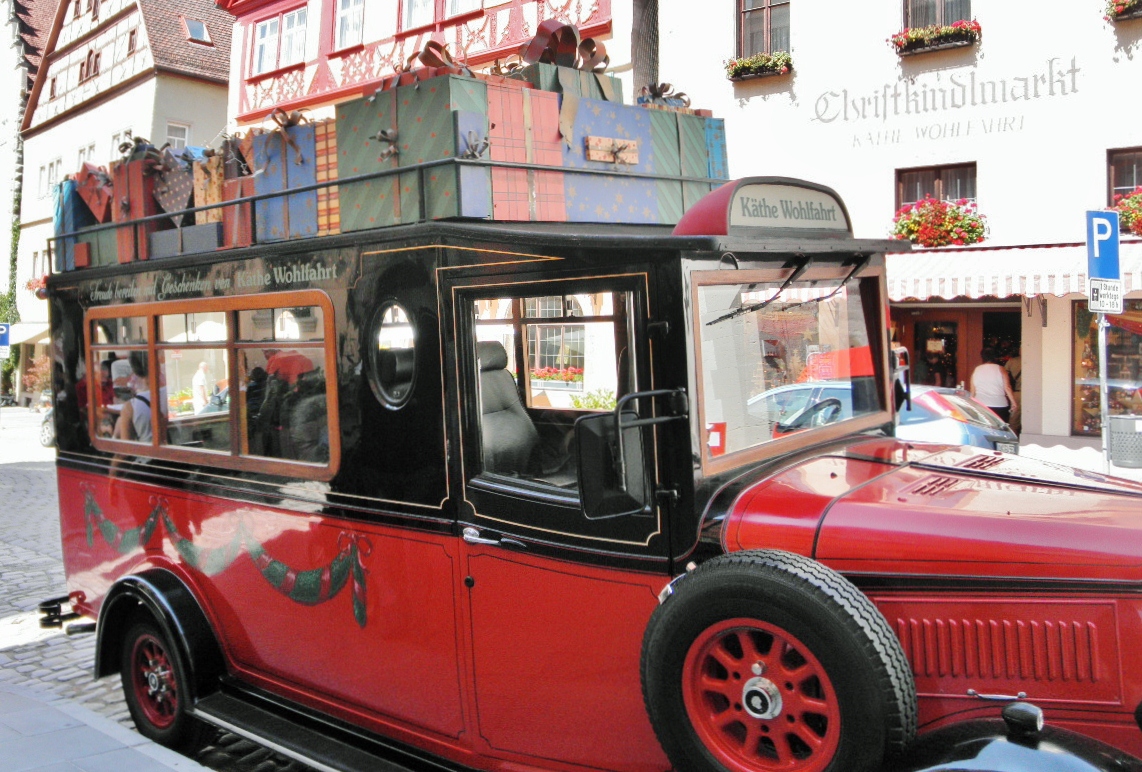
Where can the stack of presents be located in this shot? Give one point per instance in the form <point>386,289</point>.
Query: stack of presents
<point>547,140</point>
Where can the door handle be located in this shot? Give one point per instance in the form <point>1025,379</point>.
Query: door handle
<point>472,536</point>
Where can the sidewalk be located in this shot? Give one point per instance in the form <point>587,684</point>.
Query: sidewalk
<point>55,735</point>
<point>1079,452</point>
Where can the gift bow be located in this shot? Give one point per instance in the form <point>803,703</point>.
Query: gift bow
<point>285,121</point>
<point>664,93</point>
<point>476,145</point>
<point>559,43</point>
<point>387,136</point>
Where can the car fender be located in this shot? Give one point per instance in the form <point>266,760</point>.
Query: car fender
<point>174,607</point>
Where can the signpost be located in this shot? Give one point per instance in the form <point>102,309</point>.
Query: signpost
<point>5,349</point>
<point>1104,296</point>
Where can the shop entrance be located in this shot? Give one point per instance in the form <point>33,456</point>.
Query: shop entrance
<point>945,342</point>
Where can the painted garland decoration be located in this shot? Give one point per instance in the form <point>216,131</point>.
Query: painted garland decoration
<point>310,587</point>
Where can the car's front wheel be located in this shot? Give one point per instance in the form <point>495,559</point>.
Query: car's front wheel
<point>766,661</point>
<point>48,433</point>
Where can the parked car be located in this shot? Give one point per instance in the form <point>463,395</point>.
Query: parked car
<point>936,414</point>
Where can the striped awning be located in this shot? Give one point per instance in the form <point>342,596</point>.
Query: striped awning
<point>1001,272</point>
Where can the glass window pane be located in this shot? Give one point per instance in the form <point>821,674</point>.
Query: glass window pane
<point>753,33</point>
<point>130,330</point>
<point>956,10</point>
<point>958,182</point>
<point>916,185</point>
<point>264,324</point>
<point>1126,172</point>
<point>922,13</point>
<point>417,13</point>
<point>287,416</point>
<point>198,402</point>
<point>779,28</point>
<point>394,360</point>
<point>765,373</point>
<point>463,6</point>
<point>266,47</point>
<point>204,327</point>
<point>126,407</point>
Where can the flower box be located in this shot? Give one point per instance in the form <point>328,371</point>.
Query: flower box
<point>937,37</point>
<point>759,66</point>
<point>936,223</point>
<point>1122,10</point>
<point>1129,208</point>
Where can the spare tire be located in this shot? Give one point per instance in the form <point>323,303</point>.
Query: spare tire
<point>765,660</point>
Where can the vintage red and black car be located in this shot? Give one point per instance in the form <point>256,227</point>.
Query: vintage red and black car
<point>494,496</point>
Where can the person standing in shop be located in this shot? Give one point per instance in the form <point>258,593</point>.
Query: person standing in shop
<point>991,385</point>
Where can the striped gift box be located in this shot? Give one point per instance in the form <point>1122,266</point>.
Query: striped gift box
<point>328,199</point>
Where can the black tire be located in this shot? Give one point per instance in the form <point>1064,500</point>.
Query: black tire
<point>155,686</point>
<point>843,698</point>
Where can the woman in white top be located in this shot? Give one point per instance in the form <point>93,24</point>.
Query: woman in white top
<point>135,418</point>
<point>991,385</point>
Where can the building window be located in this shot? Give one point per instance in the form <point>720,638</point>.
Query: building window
<point>418,13</point>
<point>78,9</point>
<point>350,15</point>
<point>267,53</point>
<point>1124,172</point>
<point>49,176</point>
<point>132,41</point>
<point>948,183</point>
<point>86,154</point>
<point>924,13</point>
<point>117,140</point>
<point>196,31</point>
<point>178,135</point>
<point>89,67</point>
<point>764,26</point>
<point>52,91</point>
<point>95,10</point>
<point>456,7</point>
<point>1123,366</point>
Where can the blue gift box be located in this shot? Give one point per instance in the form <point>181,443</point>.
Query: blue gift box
<point>70,214</point>
<point>282,164</point>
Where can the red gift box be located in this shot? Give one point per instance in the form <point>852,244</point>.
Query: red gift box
<point>524,128</point>
<point>237,221</point>
<point>134,185</point>
<point>96,188</point>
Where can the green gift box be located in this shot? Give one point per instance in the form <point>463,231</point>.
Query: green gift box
<point>681,148</point>
<point>104,245</point>
<point>568,80</point>
<point>422,125</point>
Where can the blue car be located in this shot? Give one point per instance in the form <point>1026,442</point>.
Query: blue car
<point>937,414</point>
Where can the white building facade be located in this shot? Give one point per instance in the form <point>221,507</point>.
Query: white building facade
<point>1034,121</point>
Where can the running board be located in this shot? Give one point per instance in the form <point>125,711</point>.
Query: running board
<point>319,741</point>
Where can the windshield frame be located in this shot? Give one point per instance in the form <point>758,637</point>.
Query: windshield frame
<point>874,294</point>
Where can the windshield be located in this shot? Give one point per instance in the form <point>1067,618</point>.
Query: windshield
<point>776,360</point>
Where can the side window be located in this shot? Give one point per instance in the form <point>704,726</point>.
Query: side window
<point>543,361</point>
<point>249,386</point>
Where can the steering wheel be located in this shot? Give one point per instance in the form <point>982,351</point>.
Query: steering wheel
<point>824,412</point>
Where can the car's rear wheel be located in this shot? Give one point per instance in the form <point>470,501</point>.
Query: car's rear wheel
<point>765,661</point>
<point>48,433</point>
<point>155,687</point>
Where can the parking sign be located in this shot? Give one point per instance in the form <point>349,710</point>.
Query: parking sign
<point>1104,276</point>
<point>5,350</point>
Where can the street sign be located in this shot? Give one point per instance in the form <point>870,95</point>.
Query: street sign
<point>1102,245</point>
<point>5,349</point>
<point>1104,296</point>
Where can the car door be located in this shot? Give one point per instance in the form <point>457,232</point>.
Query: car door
<point>556,602</point>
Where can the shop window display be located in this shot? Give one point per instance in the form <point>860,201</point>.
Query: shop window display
<point>1123,366</point>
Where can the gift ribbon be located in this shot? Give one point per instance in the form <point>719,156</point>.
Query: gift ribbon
<point>558,43</point>
<point>663,93</point>
<point>285,121</point>
<point>476,145</point>
<point>387,136</point>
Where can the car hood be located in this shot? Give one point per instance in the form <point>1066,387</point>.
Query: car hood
<point>892,508</point>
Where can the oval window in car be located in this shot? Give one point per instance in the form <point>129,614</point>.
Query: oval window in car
<point>393,355</point>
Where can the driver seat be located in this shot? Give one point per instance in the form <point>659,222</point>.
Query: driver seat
<point>509,436</point>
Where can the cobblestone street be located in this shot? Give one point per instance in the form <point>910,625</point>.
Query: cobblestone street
<point>31,570</point>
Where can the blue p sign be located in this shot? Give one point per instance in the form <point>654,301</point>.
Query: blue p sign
<point>3,335</point>
<point>1102,245</point>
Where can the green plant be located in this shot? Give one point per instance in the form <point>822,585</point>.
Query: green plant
<point>599,399</point>
<point>1129,208</point>
<point>1116,8</point>
<point>936,223</point>
<point>777,63</point>
<point>922,37</point>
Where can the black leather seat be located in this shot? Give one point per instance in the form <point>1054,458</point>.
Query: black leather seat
<point>509,436</point>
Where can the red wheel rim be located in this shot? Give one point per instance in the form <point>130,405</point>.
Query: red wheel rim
<point>759,699</point>
<point>152,676</point>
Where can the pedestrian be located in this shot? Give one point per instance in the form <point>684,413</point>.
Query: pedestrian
<point>991,385</point>
<point>199,393</point>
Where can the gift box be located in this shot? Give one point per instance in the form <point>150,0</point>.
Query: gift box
<point>621,135</point>
<point>285,158</point>
<point>328,198</point>
<point>102,246</point>
<point>70,214</point>
<point>209,175</point>
<point>409,125</point>
<point>187,240</point>
<point>134,184</point>
<point>96,189</point>
<point>174,186</point>
<point>719,168</point>
<point>524,128</point>
<point>237,220</point>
